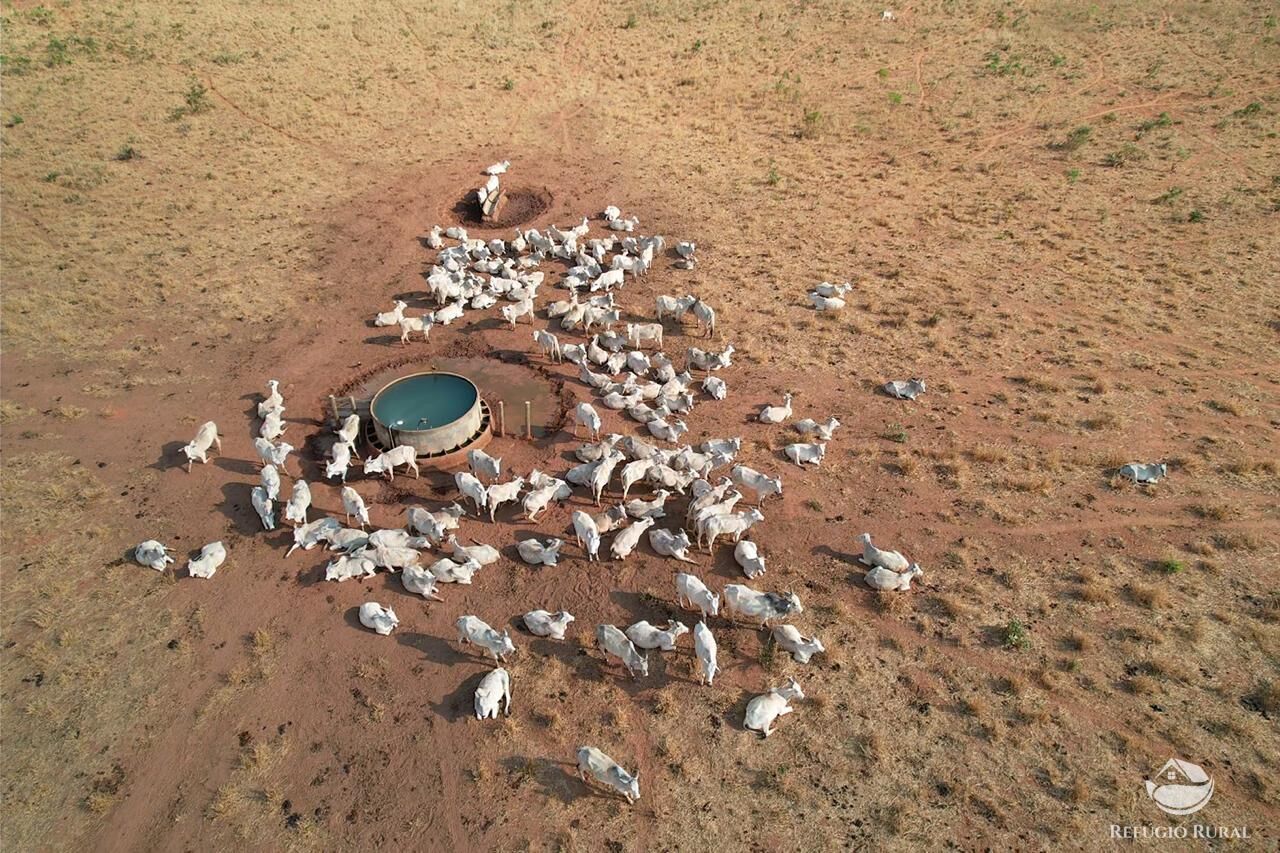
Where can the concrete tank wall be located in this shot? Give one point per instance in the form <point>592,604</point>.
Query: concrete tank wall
<point>434,440</point>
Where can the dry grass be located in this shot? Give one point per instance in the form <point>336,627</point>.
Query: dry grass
<point>1151,597</point>
<point>988,454</point>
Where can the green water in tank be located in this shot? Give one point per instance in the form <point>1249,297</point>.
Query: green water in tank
<point>424,402</point>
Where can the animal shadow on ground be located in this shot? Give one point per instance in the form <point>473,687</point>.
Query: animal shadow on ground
<point>460,704</point>
<point>644,606</point>
<point>736,714</point>
<point>388,340</point>
<point>237,507</point>
<point>557,779</point>
<point>436,649</point>
<point>844,556</point>
<point>241,467</point>
<point>171,457</point>
<point>487,324</point>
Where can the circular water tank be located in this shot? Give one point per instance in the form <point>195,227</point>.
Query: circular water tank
<point>434,413</point>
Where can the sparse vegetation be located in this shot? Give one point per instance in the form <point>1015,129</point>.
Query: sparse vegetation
<point>1074,140</point>
<point>1127,153</point>
<point>812,123</point>
<point>1015,636</point>
<point>895,432</point>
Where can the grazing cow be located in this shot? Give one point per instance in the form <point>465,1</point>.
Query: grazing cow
<point>471,629</point>
<point>385,463</point>
<point>765,606</point>
<point>704,648</point>
<point>548,343</point>
<point>608,772</point>
<point>612,641</point>
<point>764,709</point>
<point>494,690</point>
<point>691,590</point>
<point>197,449</point>
<point>588,534</point>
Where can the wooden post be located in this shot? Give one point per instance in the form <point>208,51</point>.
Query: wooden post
<point>528,420</point>
<point>502,419</point>
<point>333,404</point>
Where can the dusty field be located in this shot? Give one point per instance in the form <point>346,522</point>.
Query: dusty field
<point>1063,215</point>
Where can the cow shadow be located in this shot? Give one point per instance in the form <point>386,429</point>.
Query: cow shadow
<point>843,556</point>
<point>460,704</point>
<point>558,779</point>
<point>435,649</point>
<point>383,340</point>
<point>736,714</point>
<point>239,467</point>
<point>237,507</point>
<point>171,456</point>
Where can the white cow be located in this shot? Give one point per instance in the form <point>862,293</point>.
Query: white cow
<point>537,553</point>
<point>646,636</point>
<point>197,449</point>
<point>385,463</point>
<point>625,540</point>
<point>299,502</point>
<point>543,624</point>
<point>499,493</point>
<point>752,479</point>
<point>639,334</point>
<point>472,488</point>
<point>420,581</point>
<point>608,772</point>
<point>153,555</point>
<point>887,580</point>
<point>472,629</point>
<point>548,343</point>
<point>263,506</point>
<point>392,317</point>
<point>690,590</point>
<point>671,544</point>
<point>612,641</point>
<point>747,555</point>
<point>586,415</point>
<point>765,606</point>
<point>799,647</point>
<point>588,534</point>
<point>423,324</point>
<point>378,618</point>
<point>1141,473</point>
<point>353,504</point>
<point>451,571</point>
<point>733,525</point>
<point>904,390</point>
<point>704,648</point>
<point>211,556</point>
<point>873,556</point>
<point>349,566</point>
<point>764,709</point>
<point>802,453</point>
<point>494,690</point>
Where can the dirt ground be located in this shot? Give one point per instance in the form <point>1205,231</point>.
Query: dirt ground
<point>1062,215</point>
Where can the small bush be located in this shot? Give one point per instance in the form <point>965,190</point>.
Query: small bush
<point>1169,566</point>
<point>1127,153</point>
<point>126,152</point>
<point>1075,139</point>
<point>630,23</point>
<point>1015,636</point>
<point>895,432</point>
<point>811,124</point>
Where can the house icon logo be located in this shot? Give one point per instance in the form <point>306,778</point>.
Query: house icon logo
<point>1180,787</point>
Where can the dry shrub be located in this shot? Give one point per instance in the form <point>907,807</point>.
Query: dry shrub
<point>905,463</point>
<point>1101,421</point>
<point>1079,792</point>
<point>1211,512</point>
<point>989,454</point>
<point>1237,542</point>
<point>1078,641</point>
<point>975,706</point>
<point>1151,597</point>
<point>1266,698</point>
<point>1142,685</point>
<point>67,413</point>
<point>1201,547</point>
<point>1028,484</point>
<point>1094,590</point>
<point>891,603</point>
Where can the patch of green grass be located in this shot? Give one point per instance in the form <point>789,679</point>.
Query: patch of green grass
<point>1073,175</point>
<point>1196,215</point>
<point>226,57</point>
<point>1127,153</point>
<point>697,46</point>
<point>895,97</point>
<point>508,84</point>
<point>1015,636</point>
<point>882,73</point>
<point>896,433</point>
<point>1169,566</point>
<point>1251,109</point>
<point>57,52</point>
<point>195,100</point>
<point>1168,197</point>
<point>1162,120</point>
<point>1002,63</point>
<point>1074,140</point>
<point>13,120</point>
<point>773,178</point>
<point>811,124</point>
<point>630,23</point>
<point>15,64</point>
<point>126,152</point>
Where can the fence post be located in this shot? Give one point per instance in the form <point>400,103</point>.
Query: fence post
<point>528,420</point>
<point>502,418</point>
